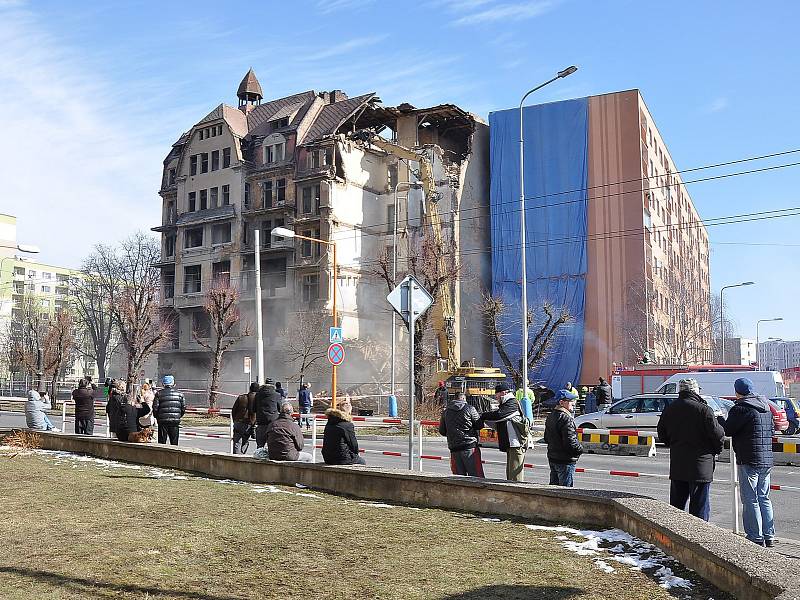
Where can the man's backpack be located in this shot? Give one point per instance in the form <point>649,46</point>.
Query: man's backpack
<point>122,420</point>
<point>524,429</point>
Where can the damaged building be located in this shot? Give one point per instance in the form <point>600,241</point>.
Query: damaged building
<point>339,168</point>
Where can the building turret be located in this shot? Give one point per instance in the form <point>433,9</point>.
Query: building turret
<point>249,91</point>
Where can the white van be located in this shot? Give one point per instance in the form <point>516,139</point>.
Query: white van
<point>766,383</point>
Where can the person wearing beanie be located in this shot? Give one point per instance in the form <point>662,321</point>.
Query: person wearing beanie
<point>507,419</point>
<point>750,426</point>
<point>169,407</point>
<point>243,416</point>
<point>690,430</point>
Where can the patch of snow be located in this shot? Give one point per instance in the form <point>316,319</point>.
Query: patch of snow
<point>309,496</point>
<point>604,566</point>
<point>301,486</point>
<point>377,505</point>
<point>491,520</point>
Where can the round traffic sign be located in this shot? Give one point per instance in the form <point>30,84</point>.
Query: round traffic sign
<point>336,354</point>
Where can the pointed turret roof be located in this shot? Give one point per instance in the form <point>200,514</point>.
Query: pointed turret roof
<point>250,89</point>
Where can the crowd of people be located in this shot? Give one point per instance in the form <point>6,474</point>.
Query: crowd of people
<point>687,426</point>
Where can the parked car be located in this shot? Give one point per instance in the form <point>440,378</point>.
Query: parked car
<point>638,412</point>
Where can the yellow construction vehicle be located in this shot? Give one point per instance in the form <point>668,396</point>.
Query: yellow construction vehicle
<point>446,335</point>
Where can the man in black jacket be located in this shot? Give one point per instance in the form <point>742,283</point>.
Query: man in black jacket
<point>339,443</point>
<point>505,419</point>
<point>169,407</point>
<point>267,406</point>
<point>461,423</point>
<point>563,446</point>
<point>750,425</point>
<point>84,409</point>
<point>690,430</point>
<point>602,393</point>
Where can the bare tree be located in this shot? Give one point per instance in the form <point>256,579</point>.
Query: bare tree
<point>670,321</point>
<point>28,332</point>
<point>59,348</point>
<point>129,280</point>
<point>541,332</point>
<point>222,306</point>
<point>97,338</point>
<point>305,343</point>
<point>436,268</point>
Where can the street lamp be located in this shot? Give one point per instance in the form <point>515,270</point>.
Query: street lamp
<point>289,234</point>
<point>410,185</point>
<point>560,75</point>
<point>722,312</point>
<point>758,352</point>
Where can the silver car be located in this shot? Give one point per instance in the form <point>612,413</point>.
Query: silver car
<point>638,412</point>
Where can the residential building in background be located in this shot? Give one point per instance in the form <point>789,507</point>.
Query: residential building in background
<point>612,235</point>
<point>777,355</point>
<point>740,351</point>
<point>326,165</point>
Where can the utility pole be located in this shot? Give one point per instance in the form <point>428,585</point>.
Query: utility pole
<point>259,320</point>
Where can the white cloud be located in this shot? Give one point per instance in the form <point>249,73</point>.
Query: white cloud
<point>342,48</point>
<point>82,162</point>
<point>329,6</point>
<point>479,12</point>
<point>717,105</point>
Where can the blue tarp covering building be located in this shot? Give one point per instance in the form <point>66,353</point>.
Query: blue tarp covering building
<point>556,182</point>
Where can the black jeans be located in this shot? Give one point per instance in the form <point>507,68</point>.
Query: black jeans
<point>170,430</point>
<point>696,493</point>
<point>84,426</point>
<point>241,437</point>
<point>261,435</point>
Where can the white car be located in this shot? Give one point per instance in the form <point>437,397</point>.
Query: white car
<point>637,412</point>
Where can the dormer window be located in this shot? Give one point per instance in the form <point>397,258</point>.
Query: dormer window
<point>279,123</point>
<point>274,153</point>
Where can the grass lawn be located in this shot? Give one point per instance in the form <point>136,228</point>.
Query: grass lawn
<point>87,529</point>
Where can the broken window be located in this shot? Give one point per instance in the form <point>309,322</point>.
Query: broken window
<point>275,153</point>
<point>280,123</point>
<point>193,238</point>
<point>391,218</point>
<point>226,195</point>
<point>266,194</point>
<point>204,162</point>
<point>192,279</point>
<point>171,216</point>
<point>281,191</point>
<point>172,176</point>
<point>193,164</point>
<point>169,246</point>
<point>310,200</point>
<point>203,199</point>
<point>214,197</point>
<point>247,195</point>
<point>226,158</point>
<point>221,233</point>
<point>221,272</point>
<point>215,160</point>
<point>192,201</point>
<point>201,324</point>
<point>169,283</point>
<point>310,288</point>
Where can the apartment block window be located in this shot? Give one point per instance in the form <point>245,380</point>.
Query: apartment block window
<point>193,164</point>
<point>226,195</point>
<point>308,248</point>
<point>266,194</point>
<point>311,199</point>
<point>169,284</point>
<point>215,160</point>
<point>245,233</point>
<point>275,153</point>
<point>19,271</point>
<point>192,201</point>
<point>203,199</point>
<point>171,176</point>
<point>281,191</point>
<point>204,162</point>
<point>169,246</point>
<point>45,289</point>
<point>247,195</point>
<point>47,275</point>
<point>306,206</point>
<point>201,324</point>
<point>214,197</point>
<point>310,288</point>
<point>221,272</point>
<point>202,133</point>
<point>192,279</point>
<point>193,238</point>
<point>266,238</point>
<point>226,158</point>
<point>19,287</point>
<point>390,218</point>
<point>315,159</point>
<point>221,234</point>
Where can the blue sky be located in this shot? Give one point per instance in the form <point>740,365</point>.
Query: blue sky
<point>92,94</point>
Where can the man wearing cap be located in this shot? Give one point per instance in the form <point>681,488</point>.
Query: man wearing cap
<point>749,423</point>
<point>169,407</point>
<point>690,430</point>
<point>563,446</point>
<point>504,418</point>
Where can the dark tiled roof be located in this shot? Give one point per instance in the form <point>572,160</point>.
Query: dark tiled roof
<point>267,111</point>
<point>332,116</point>
<point>249,85</point>
<point>205,216</point>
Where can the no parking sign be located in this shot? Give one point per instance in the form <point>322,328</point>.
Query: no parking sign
<point>336,354</point>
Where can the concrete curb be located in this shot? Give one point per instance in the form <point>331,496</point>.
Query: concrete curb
<point>729,562</point>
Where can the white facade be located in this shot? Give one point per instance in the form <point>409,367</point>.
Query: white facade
<point>776,355</point>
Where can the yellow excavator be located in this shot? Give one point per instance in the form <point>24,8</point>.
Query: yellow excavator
<point>446,336</point>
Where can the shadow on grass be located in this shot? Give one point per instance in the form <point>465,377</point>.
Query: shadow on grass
<point>513,592</point>
<point>81,585</point>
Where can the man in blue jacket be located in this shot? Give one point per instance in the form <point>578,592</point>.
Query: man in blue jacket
<point>749,423</point>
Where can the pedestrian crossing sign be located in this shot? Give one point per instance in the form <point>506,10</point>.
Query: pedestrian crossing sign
<point>336,335</point>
